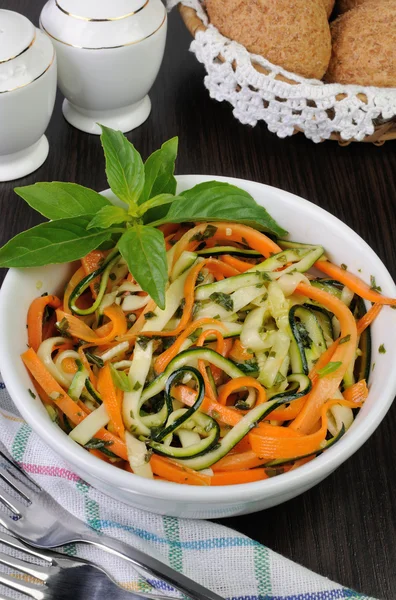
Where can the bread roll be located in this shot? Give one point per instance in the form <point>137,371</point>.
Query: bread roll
<point>364,45</point>
<point>293,34</point>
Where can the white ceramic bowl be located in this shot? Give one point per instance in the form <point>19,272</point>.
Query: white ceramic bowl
<point>109,54</point>
<point>305,222</point>
<point>27,95</point>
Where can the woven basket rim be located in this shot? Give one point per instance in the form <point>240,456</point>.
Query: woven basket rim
<point>384,132</point>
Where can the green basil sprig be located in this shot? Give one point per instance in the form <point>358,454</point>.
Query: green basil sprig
<point>83,220</point>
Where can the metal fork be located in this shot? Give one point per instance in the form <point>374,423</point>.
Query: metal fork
<point>59,576</point>
<point>43,523</point>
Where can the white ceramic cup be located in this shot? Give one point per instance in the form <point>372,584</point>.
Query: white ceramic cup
<point>109,55</point>
<point>27,95</point>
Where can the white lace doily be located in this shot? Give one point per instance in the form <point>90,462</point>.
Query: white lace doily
<point>310,106</point>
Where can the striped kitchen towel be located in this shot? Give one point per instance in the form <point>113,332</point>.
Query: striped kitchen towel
<point>249,571</point>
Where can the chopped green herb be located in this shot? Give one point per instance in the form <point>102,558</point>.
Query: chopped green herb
<point>112,276</point>
<point>216,317</point>
<point>143,341</point>
<point>282,258</point>
<point>179,312</point>
<point>224,300</point>
<point>382,349</point>
<point>329,368</point>
<point>344,267</point>
<point>345,339</point>
<point>96,444</point>
<point>168,342</point>
<point>149,315</point>
<point>197,307</point>
<point>200,278</point>
<point>195,335</point>
<point>272,354</point>
<point>48,313</point>
<point>373,367</point>
<point>263,275</point>
<point>63,327</point>
<point>32,394</point>
<point>94,360</point>
<point>97,287</point>
<point>137,386</point>
<point>259,285</point>
<point>245,242</point>
<point>121,380</point>
<point>79,414</point>
<point>374,286</point>
<point>360,270</point>
<point>242,405</point>
<point>205,235</point>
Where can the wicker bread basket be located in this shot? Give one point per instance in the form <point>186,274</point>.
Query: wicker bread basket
<point>382,127</point>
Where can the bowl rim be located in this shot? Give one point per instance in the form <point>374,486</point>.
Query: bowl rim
<point>305,475</point>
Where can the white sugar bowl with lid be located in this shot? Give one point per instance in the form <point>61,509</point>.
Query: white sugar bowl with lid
<point>109,55</point>
<point>27,95</point>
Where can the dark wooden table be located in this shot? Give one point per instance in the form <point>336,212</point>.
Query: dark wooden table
<point>345,528</point>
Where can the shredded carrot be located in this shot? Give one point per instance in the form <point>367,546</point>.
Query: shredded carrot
<point>186,395</point>
<point>326,386</point>
<point>240,461</point>
<point>91,263</point>
<point>80,330</point>
<point>271,447</point>
<point>220,270</point>
<point>354,283</point>
<point>35,318</point>
<point>357,392</point>
<point>111,400</point>
<point>231,231</point>
<point>164,359</point>
<point>238,264</point>
<point>235,385</point>
<point>172,471</point>
<point>216,372</point>
<point>368,318</point>
<point>238,477</point>
<point>239,353</point>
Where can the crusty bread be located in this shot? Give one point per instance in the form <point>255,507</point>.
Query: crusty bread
<point>344,5</point>
<point>329,5</point>
<point>364,45</point>
<point>293,34</point>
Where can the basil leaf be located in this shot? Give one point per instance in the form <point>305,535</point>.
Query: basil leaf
<point>108,216</point>
<point>329,368</point>
<point>58,200</point>
<point>159,171</point>
<point>121,380</point>
<point>53,242</point>
<point>143,249</point>
<point>218,201</point>
<point>124,166</point>
<point>160,200</point>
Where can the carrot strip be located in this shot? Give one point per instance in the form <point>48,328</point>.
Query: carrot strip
<point>188,396</point>
<point>276,447</point>
<point>91,263</point>
<point>233,232</point>
<point>172,471</point>
<point>357,285</point>
<point>221,270</point>
<point>238,477</point>
<point>70,408</point>
<point>236,384</point>
<point>327,386</point>
<point>239,353</point>
<point>239,462</point>
<point>357,392</point>
<point>290,412</point>
<point>164,359</point>
<point>35,319</point>
<point>368,318</point>
<point>324,359</point>
<point>74,281</point>
<point>69,365</point>
<point>216,372</point>
<point>238,264</point>
<point>108,392</point>
<point>88,368</point>
<point>77,328</point>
